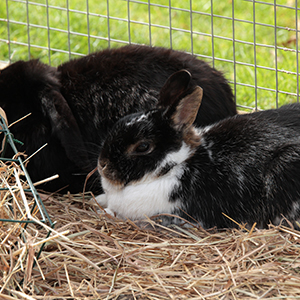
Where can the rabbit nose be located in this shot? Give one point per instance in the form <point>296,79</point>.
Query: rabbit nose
<point>102,165</point>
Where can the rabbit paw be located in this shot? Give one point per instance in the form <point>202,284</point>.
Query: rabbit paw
<point>102,200</point>
<point>109,212</point>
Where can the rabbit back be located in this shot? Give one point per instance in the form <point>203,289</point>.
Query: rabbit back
<point>117,82</point>
<point>247,167</point>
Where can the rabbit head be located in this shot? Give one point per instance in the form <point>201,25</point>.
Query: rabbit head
<point>145,146</point>
<point>25,80</point>
<point>33,87</point>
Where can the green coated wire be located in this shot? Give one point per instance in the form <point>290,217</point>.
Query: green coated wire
<point>9,139</point>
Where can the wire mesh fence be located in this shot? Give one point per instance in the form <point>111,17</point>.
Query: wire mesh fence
<point>256,43</point>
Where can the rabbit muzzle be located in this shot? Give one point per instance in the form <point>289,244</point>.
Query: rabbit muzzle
<point>102,167</point>
<point>108,173</point>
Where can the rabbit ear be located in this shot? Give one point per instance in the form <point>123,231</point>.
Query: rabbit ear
<point>185,112</point>
<point>180,99</point>
<point>174,88</point>
<point>65,127</point>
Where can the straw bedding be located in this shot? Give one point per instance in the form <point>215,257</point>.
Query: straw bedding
<point>90,255</point>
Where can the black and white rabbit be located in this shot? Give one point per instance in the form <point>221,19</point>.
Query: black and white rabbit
<point>246,166</point>
<point>73,106</point>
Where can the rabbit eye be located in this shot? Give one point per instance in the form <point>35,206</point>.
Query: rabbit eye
<point>142,148</point>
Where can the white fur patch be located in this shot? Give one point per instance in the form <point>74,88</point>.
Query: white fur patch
<point>137,119</point>
<point>202,130</point>
<point>177,157</point>
<point>150,195</point>
<point>207,147</point>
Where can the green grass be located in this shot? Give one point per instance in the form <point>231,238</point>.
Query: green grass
<point>200,43</point>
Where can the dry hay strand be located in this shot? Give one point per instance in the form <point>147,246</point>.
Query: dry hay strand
<point>96,256</point>
<point>18,242</point>
<point>3,65</point>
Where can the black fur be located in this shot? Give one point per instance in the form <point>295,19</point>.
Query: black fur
<point>245,166</point>
<point>252,173</point>
<point>73,106</point>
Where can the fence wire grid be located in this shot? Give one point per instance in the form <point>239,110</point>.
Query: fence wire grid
<point>255,43</point>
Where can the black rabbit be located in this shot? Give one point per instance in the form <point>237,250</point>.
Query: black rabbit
<point>246,166</point>
<point>73,106</point>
